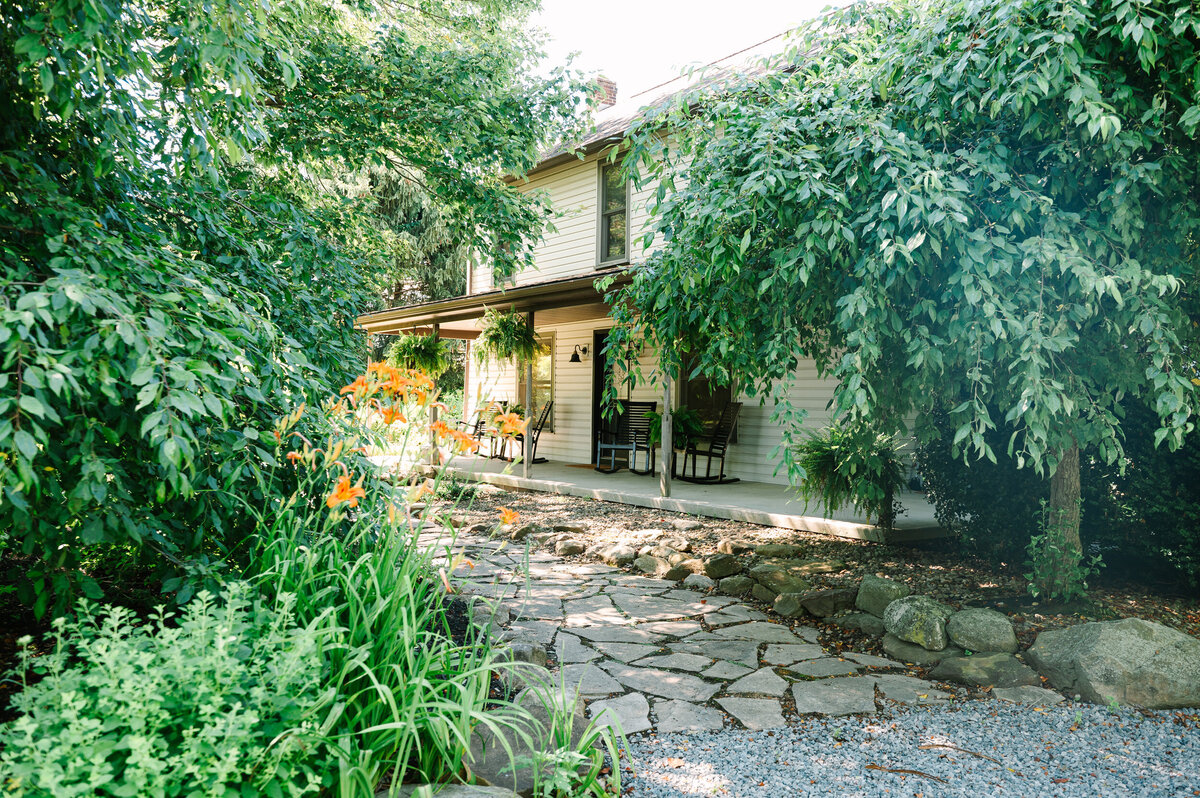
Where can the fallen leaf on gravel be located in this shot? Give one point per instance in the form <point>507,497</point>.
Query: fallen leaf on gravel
<point>907,771</point>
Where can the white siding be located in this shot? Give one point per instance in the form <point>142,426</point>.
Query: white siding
<point>751,458</point>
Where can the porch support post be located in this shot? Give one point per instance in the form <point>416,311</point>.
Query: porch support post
<point>434,456</point>
<point>527,460</point>
<point>668,449</point>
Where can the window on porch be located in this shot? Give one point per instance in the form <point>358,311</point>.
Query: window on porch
<point>543,379</point>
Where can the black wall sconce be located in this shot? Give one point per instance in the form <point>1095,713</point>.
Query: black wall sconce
<point>575,356</point>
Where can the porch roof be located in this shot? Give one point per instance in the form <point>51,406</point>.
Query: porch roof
<point>458,317</point>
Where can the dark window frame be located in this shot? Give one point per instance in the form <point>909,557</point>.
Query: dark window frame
<point>602,217</point>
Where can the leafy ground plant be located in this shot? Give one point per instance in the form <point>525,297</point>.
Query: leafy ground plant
<point>225,699</point>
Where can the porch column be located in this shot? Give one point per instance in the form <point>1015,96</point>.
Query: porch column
<point>527,460</point>
<point>668,449</point>
<point>434,458</point>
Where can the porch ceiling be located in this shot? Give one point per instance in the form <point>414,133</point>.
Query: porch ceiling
<point>568,299</point>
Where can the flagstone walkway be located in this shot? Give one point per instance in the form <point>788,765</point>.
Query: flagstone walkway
<point>658,657</point>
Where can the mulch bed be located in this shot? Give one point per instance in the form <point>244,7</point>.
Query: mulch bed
<point>932,568</point>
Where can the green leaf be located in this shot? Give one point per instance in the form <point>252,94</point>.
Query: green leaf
<point>25,444</point>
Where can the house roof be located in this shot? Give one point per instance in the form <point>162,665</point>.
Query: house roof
<point>613,123</point>
<point>458,316</point>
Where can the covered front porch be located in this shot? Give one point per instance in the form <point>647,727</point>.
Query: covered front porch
<point>751,502</point>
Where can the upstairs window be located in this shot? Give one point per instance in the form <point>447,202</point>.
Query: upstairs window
<point>614,216</point>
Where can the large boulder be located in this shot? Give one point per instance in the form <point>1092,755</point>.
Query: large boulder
<point>735,585</point>
<point>720,566</point>
<point>618,554</point>
<point>780,578</point>
<point>980,629</point>
<point>876,593</point>
<point>918,619</point>
<point>825,603</point>
<point>1132,661</point>
<point>986,670</point>
<point>790,605</point>
<point>896,648</point>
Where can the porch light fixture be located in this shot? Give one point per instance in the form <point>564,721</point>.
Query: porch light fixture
<point>575,356</point>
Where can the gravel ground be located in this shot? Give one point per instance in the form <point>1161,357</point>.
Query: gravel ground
<point>980,748</point>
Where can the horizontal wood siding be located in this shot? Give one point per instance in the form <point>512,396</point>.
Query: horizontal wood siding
<point>751,458</point>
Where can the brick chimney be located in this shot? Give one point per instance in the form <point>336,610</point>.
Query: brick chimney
<point>606,92</point>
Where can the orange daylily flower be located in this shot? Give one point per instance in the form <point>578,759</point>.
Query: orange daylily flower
<point>510,424</point>
<point>345,492</point>
<point>295,457</point>
<point>508,516</point>
<point>391,414</point>
<point>359,385</point>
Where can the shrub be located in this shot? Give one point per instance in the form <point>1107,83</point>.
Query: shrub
<point>1145,520</point>
<point>228,700</point>
<point>844,469</point>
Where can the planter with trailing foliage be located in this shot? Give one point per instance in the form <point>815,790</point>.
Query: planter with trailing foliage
<point>505,337</point>
<point>686,427</point>
<point>427,353</point>
<point>847,470</point>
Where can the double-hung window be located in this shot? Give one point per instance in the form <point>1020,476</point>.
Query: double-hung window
<point>614,216</point>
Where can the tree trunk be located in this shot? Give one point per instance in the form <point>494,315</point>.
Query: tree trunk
<point>1064,516</point>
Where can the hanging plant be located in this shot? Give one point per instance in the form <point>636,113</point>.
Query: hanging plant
<point>505,336</point>
<point>843,470</point>
<point>426,353</point>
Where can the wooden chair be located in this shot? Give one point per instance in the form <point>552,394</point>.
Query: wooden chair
<point>628,431</point>
<point>536,433</point>
<point>712,446</point>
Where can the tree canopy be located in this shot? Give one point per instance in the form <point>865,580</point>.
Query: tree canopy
<point>186,237</point>
<point>988,207</point>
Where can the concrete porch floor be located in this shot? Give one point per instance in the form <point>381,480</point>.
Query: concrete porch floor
<point>752,502</point>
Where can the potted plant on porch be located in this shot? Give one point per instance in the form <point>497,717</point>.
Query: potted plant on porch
<point>686,427</point>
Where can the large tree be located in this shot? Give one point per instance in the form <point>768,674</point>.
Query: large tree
<point>966,205</point>
<point>177,266</point>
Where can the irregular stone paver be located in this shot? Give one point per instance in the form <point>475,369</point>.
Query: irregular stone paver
<point>617,634</point>
<point>786,654</point>
<point>754,713</point>
<point>536,609</point>
<point>726,670</point>
<point>733,650</point>
<point>681,716</point>
<point>673,628</point>
<point>850,695</point>
<point>824,668</point>
<point>594,611</point>
<point>535,631</point>
<point>908,689</point>
<point>627,652</point>
<point>662,683</point>
<point>676,662</point>
<point>872,661</point>
<point>590,678</point>
<point>652,608</point>
<point>761,682</point>
<point>630,713</point>
<point>738,613</point>
<point>569,649</point>
<point>761,631</point>
<point>1034,696</point>
<point>711,601</point>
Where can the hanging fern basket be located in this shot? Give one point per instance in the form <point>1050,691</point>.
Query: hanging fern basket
<point>505,336</point>
<point>426,353</point>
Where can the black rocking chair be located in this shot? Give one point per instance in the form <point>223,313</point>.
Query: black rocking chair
<point>536,433</point>
<point>629,432</point>
<point>712,446</point>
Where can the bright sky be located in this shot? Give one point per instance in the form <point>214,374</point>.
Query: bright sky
<point>641,43</point>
